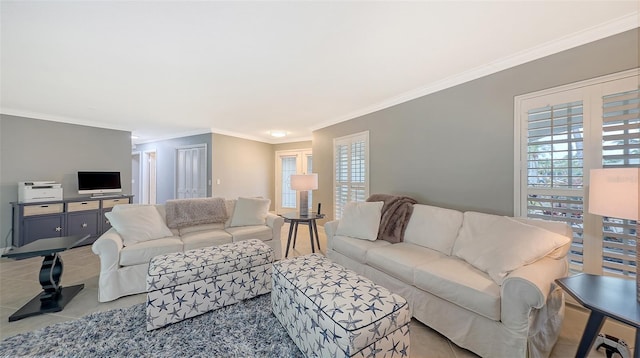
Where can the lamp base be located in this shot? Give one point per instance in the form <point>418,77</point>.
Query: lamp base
<point>304,203</point>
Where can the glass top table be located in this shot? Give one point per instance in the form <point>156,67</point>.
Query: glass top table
<point>53,297</point>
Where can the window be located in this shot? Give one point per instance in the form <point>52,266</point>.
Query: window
<point>351,164</point>
<point>561,134</point>
<point>289,162</point>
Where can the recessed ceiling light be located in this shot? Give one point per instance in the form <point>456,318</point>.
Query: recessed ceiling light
<point>134,136</point>
<point>278,134</point>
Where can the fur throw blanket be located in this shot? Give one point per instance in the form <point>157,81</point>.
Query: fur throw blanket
<point>188,212</point>
<point>396,213</point>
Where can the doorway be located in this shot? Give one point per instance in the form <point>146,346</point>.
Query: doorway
<point>136,176</point>
<point>290,162</point>
<point>191,172</point>
<point>149,177</point>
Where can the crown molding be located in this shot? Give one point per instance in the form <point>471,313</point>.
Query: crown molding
<point>628,22</point>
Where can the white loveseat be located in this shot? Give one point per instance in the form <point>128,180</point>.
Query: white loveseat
<point>508,306</point>
<point>123,265</point>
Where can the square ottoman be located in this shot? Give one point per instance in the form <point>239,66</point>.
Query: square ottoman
<point>186,284</point>
<point>330,311</point>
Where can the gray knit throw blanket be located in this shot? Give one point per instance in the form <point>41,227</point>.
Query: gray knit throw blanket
<point>188,212</point>
<point>396,213</point>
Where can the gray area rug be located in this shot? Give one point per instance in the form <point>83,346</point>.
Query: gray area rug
<point>246,329</point>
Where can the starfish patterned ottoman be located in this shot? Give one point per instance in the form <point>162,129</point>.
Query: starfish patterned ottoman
<point>330,311</point>
<point>186,284</point>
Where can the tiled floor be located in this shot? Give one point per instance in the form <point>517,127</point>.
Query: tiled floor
<point>19,283</point>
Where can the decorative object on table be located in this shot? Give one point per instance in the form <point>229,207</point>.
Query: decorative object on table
<point>303,183</point>
<point>122,333</point>
<point>53,297</point>
<point>613,192</point>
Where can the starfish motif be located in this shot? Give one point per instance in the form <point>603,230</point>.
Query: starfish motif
<point>150,301</point>
<point>373,309</point>
<point>350,322</point>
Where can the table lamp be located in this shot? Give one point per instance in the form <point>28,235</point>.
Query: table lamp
<point>613,192</point>
<point>303,183</point>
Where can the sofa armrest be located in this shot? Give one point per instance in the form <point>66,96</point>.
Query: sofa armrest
<point>528,288</point>
<point>330,229</point>
<point>275,222</point>
<point>108,247</point>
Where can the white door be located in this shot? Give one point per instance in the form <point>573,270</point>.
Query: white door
<point>149,177</point>
<point>290,162</point>
<point>191,172</point>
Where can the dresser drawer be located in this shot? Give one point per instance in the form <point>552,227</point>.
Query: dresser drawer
<point>110,203</point>
<point>83,205</point>
<point>30,210</point>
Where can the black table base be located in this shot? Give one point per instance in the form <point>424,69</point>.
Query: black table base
<point>53,297</point>
<point>38,306</point>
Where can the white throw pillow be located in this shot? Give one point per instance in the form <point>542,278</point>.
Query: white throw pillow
<point>250,211</point>
<point>138,223</point>
<point>361,220</point>
<point>498,245</point>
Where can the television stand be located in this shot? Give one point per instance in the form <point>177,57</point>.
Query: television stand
<point>105,196</point>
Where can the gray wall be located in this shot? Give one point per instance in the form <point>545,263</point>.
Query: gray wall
<point>166,162</point>
<point>244,168</point>
<point>454,148</point>
<point>32,149</point>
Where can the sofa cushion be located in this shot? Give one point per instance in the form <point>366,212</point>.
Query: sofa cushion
<point>433,227</point>
<point>205,238</point>
<point>203,227</point>
<point>399,260</point>
<point>498,245</point>
<point>260,232</point>
<point>455,280</point>
<point>138,223</point>
<point>361,220</point>
<point>143,252</point>
<point>250,211</point>
<point>559,227</point>
<point>355,248</point>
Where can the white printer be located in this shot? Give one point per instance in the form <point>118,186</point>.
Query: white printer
<point>31,191</point>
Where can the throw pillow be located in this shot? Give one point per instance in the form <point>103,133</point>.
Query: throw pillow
<point>250,211</point>
<point>361,220</point>
<point>498,245</point>
<point>138,223</point>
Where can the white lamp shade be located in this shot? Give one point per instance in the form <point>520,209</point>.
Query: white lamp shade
<point>303,182</point>
<point>614,193</point>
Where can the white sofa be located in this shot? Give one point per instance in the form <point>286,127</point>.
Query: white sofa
<point>123,267</point>
<point>517,313</point>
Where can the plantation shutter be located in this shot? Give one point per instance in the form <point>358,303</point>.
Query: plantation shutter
<point>351,181</point>
<point>555,141</point>
<point>620,149</point>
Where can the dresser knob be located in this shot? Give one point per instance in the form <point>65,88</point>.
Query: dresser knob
<point>58,229</point>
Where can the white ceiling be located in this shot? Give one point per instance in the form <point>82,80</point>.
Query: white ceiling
<point>167,69</point>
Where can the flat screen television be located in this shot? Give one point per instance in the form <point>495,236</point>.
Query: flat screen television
<point>99,183</point>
